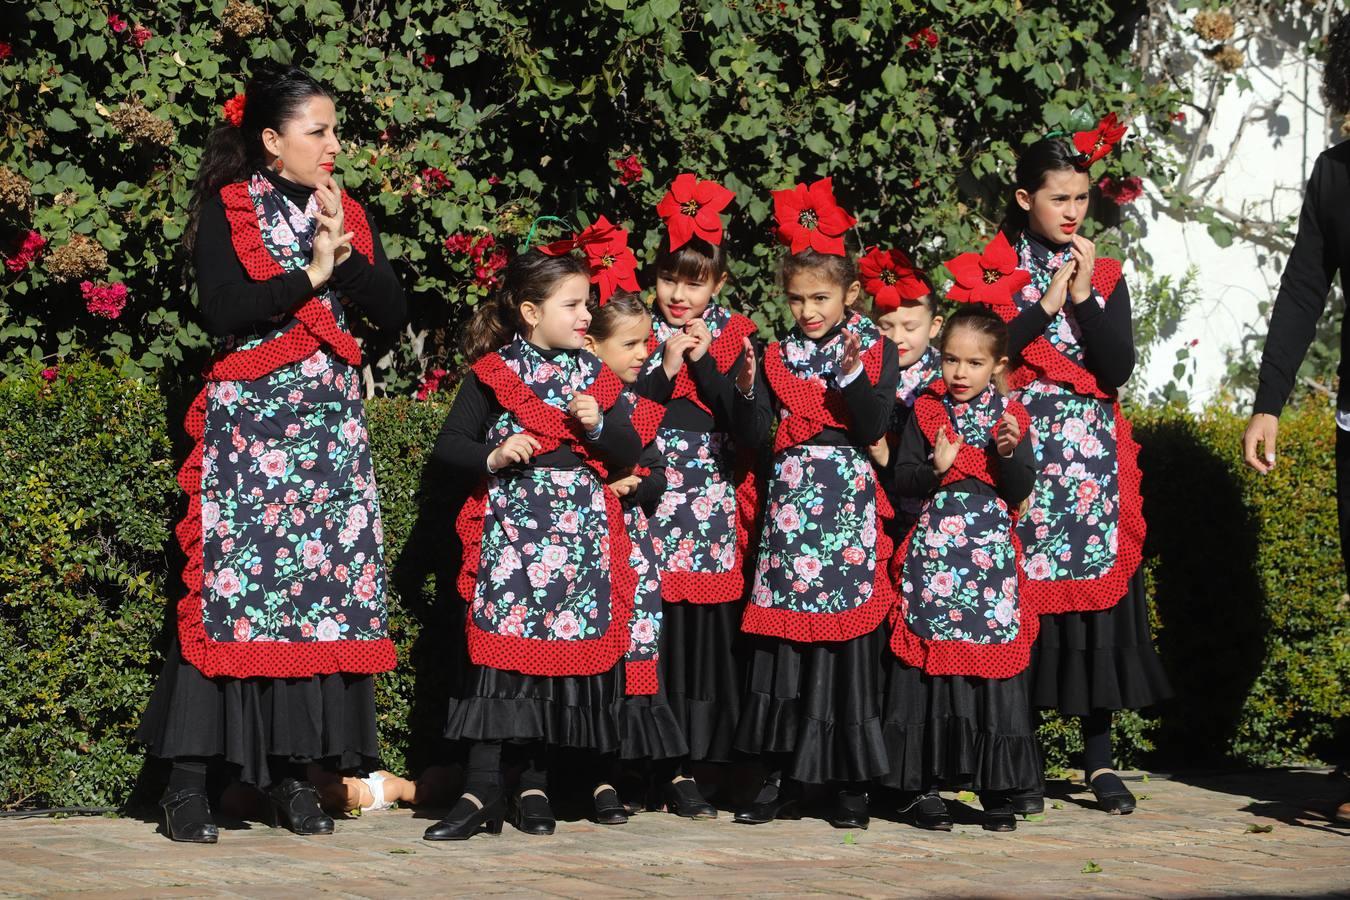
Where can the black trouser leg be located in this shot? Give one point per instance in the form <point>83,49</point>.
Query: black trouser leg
<point>188,773</point>
<point>1096,729</point>
<point>483,769</point>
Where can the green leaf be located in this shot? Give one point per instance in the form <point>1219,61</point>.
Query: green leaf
<point>59,120</point>
<point>1260,829</point>
<point>1090,868</point>
<point>95,46</point>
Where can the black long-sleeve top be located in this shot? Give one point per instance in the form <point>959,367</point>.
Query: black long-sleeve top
<point>651,486</point>
<point>869,405</point>
<point>462,442</point>
<point>1321,250</point>
<point>915,477</point>
<point>233,305</point>
<point>1107,332</point>
<point>717,391</point>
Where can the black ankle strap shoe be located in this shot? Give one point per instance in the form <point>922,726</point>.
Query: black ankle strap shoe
<point>684,799</point>
<point>533,814</point>
<point>1112,794</point>
<point>927,811</point>
<point>467,818</point>
<point>187,817</point>
<point>295,805</point>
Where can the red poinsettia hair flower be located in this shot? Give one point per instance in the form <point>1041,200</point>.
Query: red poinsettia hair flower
<point>1100,141</point>
<point>810,218</point>
<point>692,208</point>
<point>990,277</point>
<point>891,278</point>
<point>612,262</point>
<point>233,110</point>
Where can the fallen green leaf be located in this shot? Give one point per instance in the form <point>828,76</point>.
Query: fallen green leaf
<point>1056,805</point>
<point>1036,817</point>
<point>850,839</point>
<point>1142,797</point>
<point>966,796</point>
<point>401,850</point>
<point>1145,779</point>
<point>1090,868</point>
<point>1260,829</point>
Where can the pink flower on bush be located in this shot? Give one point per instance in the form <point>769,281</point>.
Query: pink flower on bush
<point>924,37</point>
<point>435,179</point>
<point>431,383</point>
<point>106,300</point>
<point>49,373</point>
<point>428,60</point>
<point>140,34</point>
<point>1123,191</point>
<point>630,169</point>
<point>117,23</point>
<point>29,248</point>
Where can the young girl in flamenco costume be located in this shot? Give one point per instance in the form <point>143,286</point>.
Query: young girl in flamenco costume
<point>905,309</point>
<point>818,605</point>
<point>703,520</point>
<point>547,569</point>
<point>283,622</point>
<point>956,704</point>
<point>1071,336</point>
<point>648,731</point>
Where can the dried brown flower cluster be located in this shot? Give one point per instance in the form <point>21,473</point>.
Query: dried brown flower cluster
<point>79,257</point>
<point>136,123</point>
<point>1229,58</point>
<point>1215,25</point>
<point>15,191</point>
<point>243,19</point>
<point>66,198</point>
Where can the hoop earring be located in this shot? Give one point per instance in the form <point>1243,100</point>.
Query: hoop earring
<point>278,165</point>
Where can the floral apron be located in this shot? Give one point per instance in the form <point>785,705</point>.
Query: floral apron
<point>1084,532</point>
<point>817,577</point>
<point>546,568</point>
<point>959,580</point>
<point>704,521</point>
<point>283,539</point>
<point>641,662</point>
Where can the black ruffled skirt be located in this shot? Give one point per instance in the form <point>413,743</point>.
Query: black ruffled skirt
<point>245,720</point>
<point>960,732</point>
<point>583,712</point>
<point>1099,660</point>
<point>703,675</point>
<point>820,704</point>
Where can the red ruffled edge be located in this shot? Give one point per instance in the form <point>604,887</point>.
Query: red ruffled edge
<point>1105,591</point>
<point>640,677</point>
<point>724,350</point>
<point>534,656</point>
<point>960,657</point>
<point>261,659</point>
<point>971,462</point>
<point>819,406</point>
<point>804,627</point>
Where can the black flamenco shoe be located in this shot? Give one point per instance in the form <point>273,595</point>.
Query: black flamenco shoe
<point>998,812</point>
<point>772,803</point>
<point>1112,794</point>
<point>467,818</point>
<point>609,810</point>
<point>684,799</point>
<point>929,812</point>
<point>850,811</point>
<point>295,804</point>
<point>187,817</point>
<point>533,814</point>
<point>1027,803</point>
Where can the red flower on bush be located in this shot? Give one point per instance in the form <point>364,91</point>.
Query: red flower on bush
<point>693,208</point>
<point>891,278</point>
<point>49,373</point>
<point>459,243</point>
<point>990,276</point>
<point>809,217</point>
<point>233,110</point>
<point>630,169</point>
<point>435,179</point>
<point>1101,140</point>
<point>1179,117</point>
<point>613,264</point>
<point>1123,191</point>
<point>485,273</point>
<point>6,51</point>
<point>106,300</point>
<point>29,248</point>
<point>428,60</point>
<point>431,383</point>
<point>924,37</point>
<point>140,34</point>
<point>117,23</point>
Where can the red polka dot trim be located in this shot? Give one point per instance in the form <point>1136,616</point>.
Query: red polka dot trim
<point>810,406</point>
<point>647,416</point>
<point>640,677</point>
<point>316,329</point>
<point>551,427</point>
<point>971,462</point>
<point>709,588</point>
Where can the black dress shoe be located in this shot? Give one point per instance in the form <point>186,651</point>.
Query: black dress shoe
<point>533,814</point>
<point>609,810</point>
<point>998,812</point>
<point>850,810</point>
<point>772,803</point>
<point>295,804</point>
<point>684,798</point>
<point>187,817</point>
<point>928,811</point>
<point>1112,794</point>
<point>1027,803</point>
<point>467,818</point>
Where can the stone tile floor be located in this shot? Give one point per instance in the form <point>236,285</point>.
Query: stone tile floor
<point>1192,836</point>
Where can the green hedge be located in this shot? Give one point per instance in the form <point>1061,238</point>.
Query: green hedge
<point>1245,571</point>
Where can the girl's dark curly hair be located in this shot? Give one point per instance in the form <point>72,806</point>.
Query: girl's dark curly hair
<point>1336,72</point>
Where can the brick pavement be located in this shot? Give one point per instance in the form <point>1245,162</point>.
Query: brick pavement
<point>1190,838</point>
